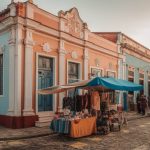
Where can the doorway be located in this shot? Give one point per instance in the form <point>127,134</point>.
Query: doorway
<point>45,79</point>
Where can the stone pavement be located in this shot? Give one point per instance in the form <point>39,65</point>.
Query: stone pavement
<point>132,115</point>
<point>14,134</point>
<point>135,136</point>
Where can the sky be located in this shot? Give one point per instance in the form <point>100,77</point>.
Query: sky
<point>132,17</point>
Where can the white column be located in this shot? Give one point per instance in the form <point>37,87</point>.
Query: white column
<point>145,83</point>
<point>62,73</point>
<point>124,72</point>
<point>120,72</point>
<point>86,60</point>
<point>86,53</point>
<point>28,110</point>
<point>12,44</point>
<point>18,59</point>
<point>136,80</point>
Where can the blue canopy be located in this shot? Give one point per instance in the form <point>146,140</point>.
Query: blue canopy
<point>114,84</point>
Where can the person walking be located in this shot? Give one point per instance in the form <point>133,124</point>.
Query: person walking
<point>138,102</point>
<point>143,104</point>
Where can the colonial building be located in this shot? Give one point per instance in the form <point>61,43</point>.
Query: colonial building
<point>134,62</point>
<point>38,50</point>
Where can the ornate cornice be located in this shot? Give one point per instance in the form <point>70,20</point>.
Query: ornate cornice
<point>6,23</point>
<point>12,38</point>
<point>37,27</point>
<point>134,49</point>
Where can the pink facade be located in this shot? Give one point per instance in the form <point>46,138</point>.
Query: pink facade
<point>49,47</point>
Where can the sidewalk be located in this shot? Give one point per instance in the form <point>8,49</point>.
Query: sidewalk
<point>134,115</point>
<point>14,134</point>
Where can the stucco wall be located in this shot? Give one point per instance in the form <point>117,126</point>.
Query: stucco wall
<point>136,62</point>
<point>4,99</point>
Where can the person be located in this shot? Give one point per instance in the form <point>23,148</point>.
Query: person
<point>138,103</point>
<point>143,104</point>
<point>148,102</point>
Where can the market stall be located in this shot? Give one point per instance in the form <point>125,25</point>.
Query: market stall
<point>74,127</point>
<point>83,114</point>
<point>83,127</point>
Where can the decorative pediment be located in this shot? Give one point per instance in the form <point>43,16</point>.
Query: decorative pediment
<point>73,24</point>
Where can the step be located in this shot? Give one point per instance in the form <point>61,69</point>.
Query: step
<point>43,121</point>
<point>45,118</point>
<point>42,124</point>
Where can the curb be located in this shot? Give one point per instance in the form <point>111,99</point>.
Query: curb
<point>52,133</point>
<point>26,137</point>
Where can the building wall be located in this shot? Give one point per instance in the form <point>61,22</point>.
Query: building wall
<point>102,61</point>
<point>4,99</point>
<point>40,50</point>
<point>67,45</point>
<point>65,38</point>
<point>138,65</point>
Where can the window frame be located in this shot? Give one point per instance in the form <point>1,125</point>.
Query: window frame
<point>79,74</point>
<point>79,69</point>
<point>111,72</point>
<point>97,68</point>
<point>1,95</point>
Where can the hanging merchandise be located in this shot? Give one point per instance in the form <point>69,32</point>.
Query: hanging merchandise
<point>95,100</point>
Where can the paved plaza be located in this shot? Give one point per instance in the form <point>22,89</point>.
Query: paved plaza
<point>135,136</point>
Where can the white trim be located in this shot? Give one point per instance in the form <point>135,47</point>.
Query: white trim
<point>28,95</point>
<point>54,83</point>
<point>80,68</point>
<point>86,63</point>
<point>103,73</point>
<point>109,70</point>
<point>50,31</point>
<point>6,22</point>
<point>12,47</point>
<point>18,70</point>
<point>3,74</point>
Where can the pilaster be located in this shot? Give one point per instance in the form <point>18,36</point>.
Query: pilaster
<point>86,61</point>
<point>146,83</point>
<point>28,110</point>
<point>126,72</point>
<point>12,46</point>
<point>29,11</point>
<point>120,76</point>
<point>17,68</point>
<point>136,80</point>
<point>62,73</point>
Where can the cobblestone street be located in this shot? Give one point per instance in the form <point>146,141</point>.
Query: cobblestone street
<point>133,137</point>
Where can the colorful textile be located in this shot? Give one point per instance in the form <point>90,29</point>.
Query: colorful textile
<point>83,127</point>
<point>60,125</point>
<point>95,100</point>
